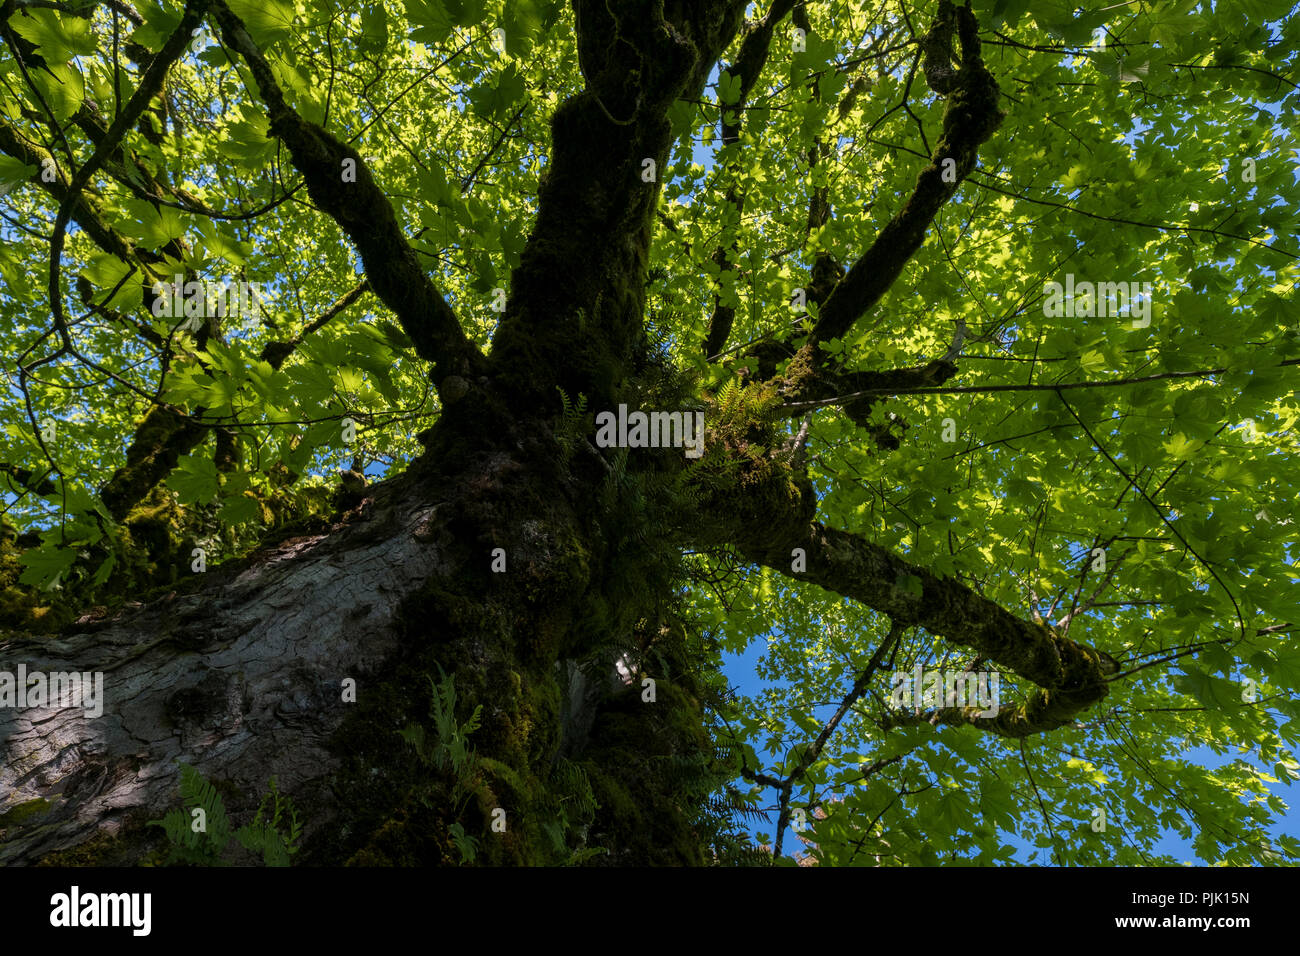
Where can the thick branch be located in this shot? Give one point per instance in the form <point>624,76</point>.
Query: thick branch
<point>161,438</point>
<point>1070,675</point>
<point>83,211</point>
<point>240,678</point>
<point>807,386</point>
<point>826,270</point>
<point>970,118</point>
<point>364,213</point>
<point>1013,722</point>
<point>575,317</point>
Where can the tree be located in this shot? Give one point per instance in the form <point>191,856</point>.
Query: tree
<point>963,340</point>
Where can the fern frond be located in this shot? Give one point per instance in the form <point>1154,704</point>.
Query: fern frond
<point>466,845</point>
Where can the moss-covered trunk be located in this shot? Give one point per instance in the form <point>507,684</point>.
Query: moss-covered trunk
<point>550,624</point>
<point>499,565</point>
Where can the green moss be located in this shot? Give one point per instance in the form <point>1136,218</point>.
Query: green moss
<point>106,849</point>
<point>23,609</point>
<point>131,844</point>
<point>584,571</point>
<point>161,437</point>
<point>23,812</point>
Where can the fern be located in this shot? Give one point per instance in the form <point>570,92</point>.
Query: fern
<point>263,836</point>
<point>466,845</point>
<point>502,771</point>
<point>586,853</point>
<point>200,831</point>
<point>717,806</point>
<point>572,427</point>
<point>573,805</point>
<point>569,779</point>
<point>744,854</point>
<point>732,802</point>
<point>451,750</point>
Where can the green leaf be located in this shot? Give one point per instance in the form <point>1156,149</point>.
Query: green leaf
<point>104,570</point>
<point>239,509</point>
<point>525,21</point>
<point>108,274</point>
<point>43,566</point>
<point>13,171</point>
<point>160,22</point>
<point>728,88</point>
<point>268,21</point>
<point>194,480</point>
<point>374,27</point>
<point>58,40</point>
<point>247,140</point>
<point>497,98</point>
<point>62,88</point>
<point>431,20</point>
<point>466,13</point>
<point>1180,447</point>
<point>154,226</point>
<point>1092,362</point>
<point>1213,692</point>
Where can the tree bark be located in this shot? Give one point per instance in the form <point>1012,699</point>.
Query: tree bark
<point>239,672</point>
<point>240,676</point>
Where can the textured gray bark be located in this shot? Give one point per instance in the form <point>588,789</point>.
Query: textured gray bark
<point>241,679</point>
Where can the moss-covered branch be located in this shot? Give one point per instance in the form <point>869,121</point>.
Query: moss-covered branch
<point>161,438</point>
<point>85,213</point>
<point>772,526</point>
<point>805,385</point>
<point>341,184</point>
<point>1044,712</point>
<point>575,317</point>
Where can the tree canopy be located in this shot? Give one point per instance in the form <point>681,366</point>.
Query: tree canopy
<point>989,310</point>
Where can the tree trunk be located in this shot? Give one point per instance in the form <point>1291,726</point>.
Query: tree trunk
<point>242,675</point>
